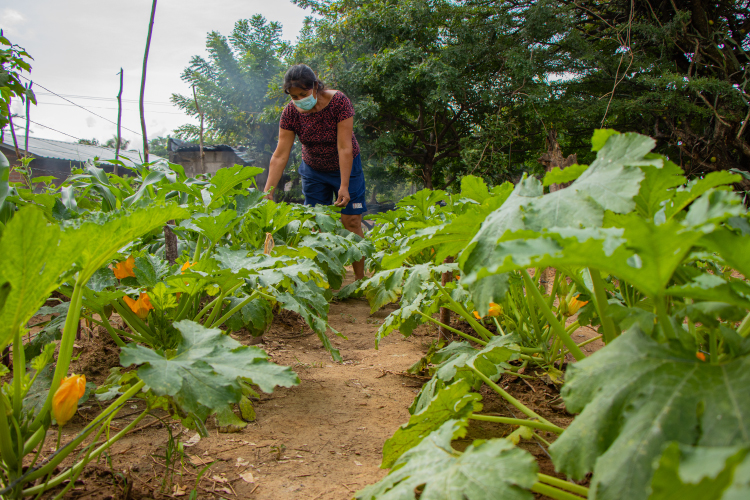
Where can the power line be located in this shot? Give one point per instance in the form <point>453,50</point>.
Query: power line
<point>99,98</point>
<point>78,105</point>
<point>99,107</point>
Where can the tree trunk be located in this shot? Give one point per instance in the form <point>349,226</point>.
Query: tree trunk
<point>554,158</point>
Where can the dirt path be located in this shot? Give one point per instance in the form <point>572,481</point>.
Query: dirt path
<point>320,440</point>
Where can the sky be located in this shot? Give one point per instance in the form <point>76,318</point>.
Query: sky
<point>79,46</point>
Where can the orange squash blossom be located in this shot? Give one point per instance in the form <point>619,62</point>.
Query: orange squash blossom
<point>65,400</point>
<point>141,307</point>
<point>495,309</point>
<point>124,269</point>
<point>700,356</point>
<point>574,305</point>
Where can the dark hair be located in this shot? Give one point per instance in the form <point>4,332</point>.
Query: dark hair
<point>302,77</point>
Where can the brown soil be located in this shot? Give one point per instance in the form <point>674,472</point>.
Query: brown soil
<point>319,440</point>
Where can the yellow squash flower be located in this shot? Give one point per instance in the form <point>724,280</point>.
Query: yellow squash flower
<point>65,400</point>
<point>124,269</point>
<point>141,306</point>
<point>187,265</point>
<point>495,309</point>
<point>574,305</point>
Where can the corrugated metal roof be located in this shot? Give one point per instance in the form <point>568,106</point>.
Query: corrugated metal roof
<point>180,146</point>
<point>72,151</point>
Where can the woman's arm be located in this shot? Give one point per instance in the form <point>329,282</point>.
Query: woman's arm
<point>279,159</point>
<point>344,143</point>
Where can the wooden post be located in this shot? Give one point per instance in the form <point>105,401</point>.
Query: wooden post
<point>28,121</point>
<point>13,131</point>
<point>203,154</point>
<point>143,82</point>
<point>170,244</point>
<point>119,121</point>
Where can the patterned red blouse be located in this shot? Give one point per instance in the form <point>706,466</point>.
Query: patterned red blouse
<point>318,132</point>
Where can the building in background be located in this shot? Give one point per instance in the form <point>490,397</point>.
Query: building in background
<point>57,158</point>
<point>219,156</point>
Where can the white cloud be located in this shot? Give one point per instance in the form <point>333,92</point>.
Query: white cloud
<point>10,18</point>
<point>90,121</point>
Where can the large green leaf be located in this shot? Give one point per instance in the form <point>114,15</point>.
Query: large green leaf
<point>36,258</point>
<point>702,473</point>
<point>383,288</point>
<point>610,183</point>
<point>226,179</point>
<point>636,395</point>
<point>487,470</point>
<point>454,402</point>
<point>107,233</point>
<point>206,369</point>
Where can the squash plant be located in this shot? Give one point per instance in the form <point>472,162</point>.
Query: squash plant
<point>662,262</point>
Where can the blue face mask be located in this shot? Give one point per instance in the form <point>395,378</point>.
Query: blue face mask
<point>306,103</point>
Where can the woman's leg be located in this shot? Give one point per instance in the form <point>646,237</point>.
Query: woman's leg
<point>353,223</point>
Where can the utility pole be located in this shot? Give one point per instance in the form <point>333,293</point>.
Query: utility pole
<point>203,155</point>
<point>143,81</point>
<point>119,121</point>
<point>28,108</point>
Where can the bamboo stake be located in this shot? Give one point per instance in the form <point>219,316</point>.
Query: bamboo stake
<point>143,82</point>
<point>119,121</point>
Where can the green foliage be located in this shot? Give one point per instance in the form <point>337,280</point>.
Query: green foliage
<point>13,62</point>
<point>203,374</point>
<point>670,395</point>
<point>486,470</point>
<point>701,473</point>
<point>451,403</point>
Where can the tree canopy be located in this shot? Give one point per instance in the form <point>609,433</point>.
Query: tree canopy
<point>447,88</point>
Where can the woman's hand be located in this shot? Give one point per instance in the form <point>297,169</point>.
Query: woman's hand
<point>343,198</point>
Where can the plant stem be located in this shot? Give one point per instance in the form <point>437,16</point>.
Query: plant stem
<point>66,348</point>
<point>600,292</point>
<point>460,309</point>
<point>553,492</point>
<point>112,333</point>
<point>59,457</point>
<point>554,324</point>
<point>526,411</point>
<point>457,332</point>
<point>82,463</point>
<point>713,344</point>
<point>499,328</point>
<point>8,455</point>
<point>518,421</point>
<point>233,310</point>
<point>198,245</point>
<point>744,328</point>
<point>661,312</point>
<point>563,485</point>
<point>19,371</point>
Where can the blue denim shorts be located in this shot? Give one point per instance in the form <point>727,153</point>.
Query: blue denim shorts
<point>322,188</point>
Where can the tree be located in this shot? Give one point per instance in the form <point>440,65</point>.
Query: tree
<point>158,146</point>
<point>675,70</point>
<point>112,143</point>
<point>13,62</point>
<point>89,142</point>
<point>232,87</point>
